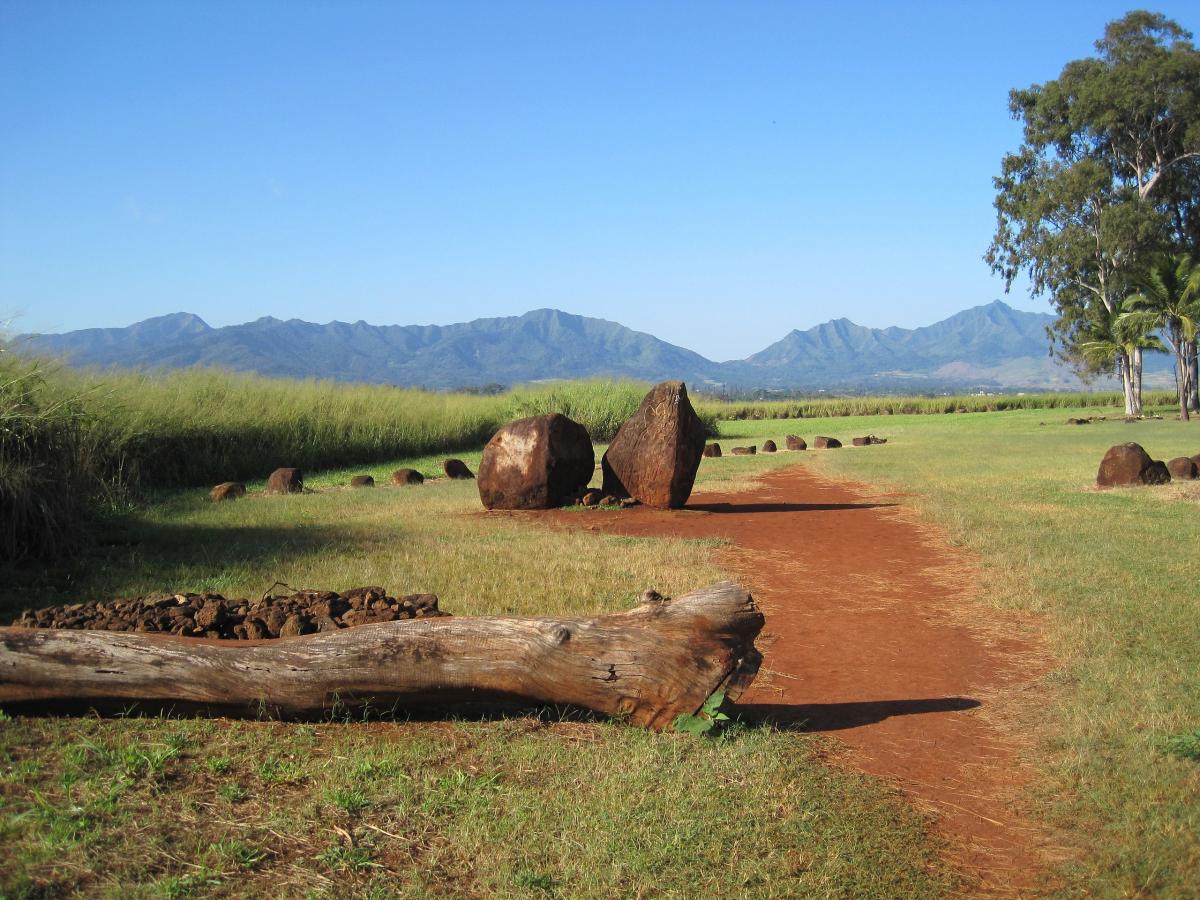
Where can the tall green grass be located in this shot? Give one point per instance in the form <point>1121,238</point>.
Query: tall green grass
<point>54,463</point>
<point>824,407</point>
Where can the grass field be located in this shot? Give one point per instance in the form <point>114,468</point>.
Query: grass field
<point>538,806</point>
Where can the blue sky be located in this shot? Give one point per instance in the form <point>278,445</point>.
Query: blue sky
<point>715,174</point>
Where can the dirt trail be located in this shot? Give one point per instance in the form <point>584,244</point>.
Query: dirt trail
<point>872,636</point>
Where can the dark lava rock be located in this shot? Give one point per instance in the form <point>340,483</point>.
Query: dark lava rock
<point>285,481</point>
<point>656,452</point>
<point>361,481</point>
<point>744,451</point>
<point>1182,468</point>
<point>407,476</point>
<point>712,451</point>
<point>769,447</point>
<point>793,442</point>
<point>536,463</point>
<point>227,490</point>
<point>821,442</point>
<point>211,615</point>
<point>1127,464</point>
<point>456,468</point>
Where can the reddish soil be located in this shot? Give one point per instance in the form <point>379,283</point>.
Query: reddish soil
<point>874,636</point>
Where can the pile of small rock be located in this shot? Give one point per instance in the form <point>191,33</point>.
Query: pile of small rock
<point>212,616</point>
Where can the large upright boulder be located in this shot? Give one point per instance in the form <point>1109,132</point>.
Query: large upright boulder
<point>656,452</point>
<point>536,463</point>
<point>1127,464</point>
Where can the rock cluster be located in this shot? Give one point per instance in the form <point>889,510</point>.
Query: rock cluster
<point>1129,464</point>
<point>212,616</point>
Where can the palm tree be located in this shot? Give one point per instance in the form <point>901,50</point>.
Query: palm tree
<point>1169,301</point>
<point>1118,342</point>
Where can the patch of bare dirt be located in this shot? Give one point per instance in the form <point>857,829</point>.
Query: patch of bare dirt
<point>874,635</point>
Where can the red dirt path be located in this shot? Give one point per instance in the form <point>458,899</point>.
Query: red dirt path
<point>873,636</point>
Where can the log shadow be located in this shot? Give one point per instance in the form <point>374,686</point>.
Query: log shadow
<point>727,508</point>
<point>836,716</point>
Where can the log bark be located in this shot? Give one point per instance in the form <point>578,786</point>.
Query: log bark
<point>647,665</point>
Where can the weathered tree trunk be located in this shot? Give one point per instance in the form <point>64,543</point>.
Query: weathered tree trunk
<point>1123,367</point>
<point>1193,378</point>
<point>647,665</point>
<point>1135,369</point>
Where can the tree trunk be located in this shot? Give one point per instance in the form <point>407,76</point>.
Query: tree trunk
<point>1126,381</point>
<point>1193,378</point>
<point>647,665</point>
<point>1183,380</point>
<point>1136,380</point>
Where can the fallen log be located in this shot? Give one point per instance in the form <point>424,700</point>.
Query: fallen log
<point>649,665</point>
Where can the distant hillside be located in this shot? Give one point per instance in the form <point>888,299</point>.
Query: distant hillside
<point>992,346</point>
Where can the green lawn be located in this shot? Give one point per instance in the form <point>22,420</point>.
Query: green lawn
<point>535,806</point>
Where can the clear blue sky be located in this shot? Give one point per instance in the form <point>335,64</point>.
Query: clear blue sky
<point>715,174</point>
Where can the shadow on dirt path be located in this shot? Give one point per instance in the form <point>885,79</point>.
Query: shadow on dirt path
<point>873,634</point>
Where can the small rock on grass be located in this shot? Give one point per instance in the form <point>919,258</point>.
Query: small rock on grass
<point>227,490</point>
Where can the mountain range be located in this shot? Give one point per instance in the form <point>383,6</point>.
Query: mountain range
<point>986,347</point>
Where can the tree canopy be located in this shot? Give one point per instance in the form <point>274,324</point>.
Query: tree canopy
<point>1107,175</point>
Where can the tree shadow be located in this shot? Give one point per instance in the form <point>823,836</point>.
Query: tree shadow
<point>165,554</point>
<point>837,716</point>
<point>727,508</point>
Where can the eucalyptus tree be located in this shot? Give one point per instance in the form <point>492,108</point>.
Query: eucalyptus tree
<point>1168,301</point>
<point>1107,174</point>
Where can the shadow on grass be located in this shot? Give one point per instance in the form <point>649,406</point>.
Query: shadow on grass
<point>164,555</point>
<point>781,507</point>
<point>836,716</point>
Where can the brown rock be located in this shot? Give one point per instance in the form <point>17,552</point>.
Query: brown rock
<point>656,452</point>
<point>456,468</point>
<point>227,490</point>
<point>362,481</point>
<point>591,498</point>
<point>868,440</point>
<point>609,500</point>
<point>1074,421</point>
<point>1196,460</point>
<point>793,442</point>
<point>1182,468</point>
<point>211,615</point>
<point>285,481</point>
<point>1126,464</point>
<point>536,463</point>
<point>769,447</point>
<point>712,451</point>
<point>821,442</point>
<point>294,626</point>
<point>407,476</point>
<point>744,451</point>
